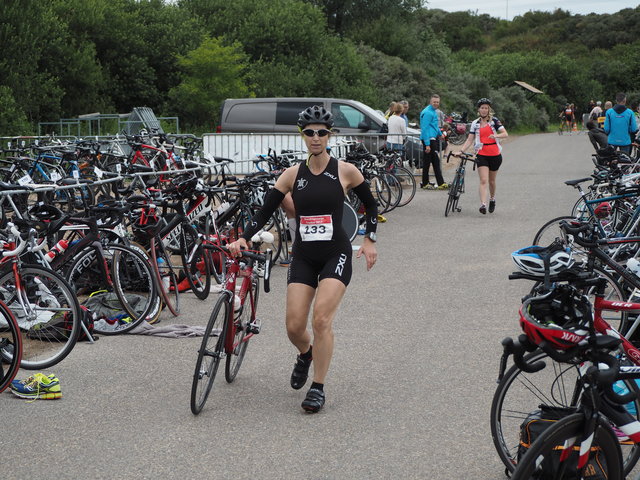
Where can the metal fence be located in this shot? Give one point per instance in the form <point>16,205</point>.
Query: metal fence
<point>244,148</point>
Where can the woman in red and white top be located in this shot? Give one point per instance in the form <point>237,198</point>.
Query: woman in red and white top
<point>485,133</point>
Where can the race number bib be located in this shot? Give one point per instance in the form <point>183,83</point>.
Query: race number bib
<point>315,228</point>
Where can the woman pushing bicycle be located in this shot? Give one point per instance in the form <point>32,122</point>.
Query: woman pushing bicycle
<point>321,265</point>
<point>485,132</point>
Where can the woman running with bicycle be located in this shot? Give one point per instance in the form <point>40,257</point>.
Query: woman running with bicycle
<point>321,265</point>
<point>484,134</point>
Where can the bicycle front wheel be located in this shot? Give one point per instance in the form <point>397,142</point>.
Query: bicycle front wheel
<point>454,195</point>
<point>244,324</point>
<point>537,462</point>
<point>47,312</point>
<point>10,347</point>
<point>210,353</point>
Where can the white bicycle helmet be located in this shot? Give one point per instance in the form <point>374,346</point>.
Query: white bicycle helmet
<point>530,260</point>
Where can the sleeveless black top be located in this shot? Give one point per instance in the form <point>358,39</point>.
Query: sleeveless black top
<point>318,196</point>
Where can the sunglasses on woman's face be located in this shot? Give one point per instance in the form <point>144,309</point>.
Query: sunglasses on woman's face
<point>310,132</point>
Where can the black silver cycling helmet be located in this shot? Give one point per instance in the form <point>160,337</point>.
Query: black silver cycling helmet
<point>315,114</point>
<point>185,184</point>
<point>483,101</point>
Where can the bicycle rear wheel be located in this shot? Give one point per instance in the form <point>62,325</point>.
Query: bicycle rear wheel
<point>47,312</point>
<point>166,278</point>
<point>10,347</point>
<point>210,353</point>
<point>408,183</point>
<point>244,324</point>
<point>546,446</point>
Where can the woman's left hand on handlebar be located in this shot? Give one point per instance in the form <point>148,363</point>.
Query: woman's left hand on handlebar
<point>235,247</point>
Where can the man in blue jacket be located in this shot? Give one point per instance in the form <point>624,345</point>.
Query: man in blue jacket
<point>620,125</point>
<point>429,134</point>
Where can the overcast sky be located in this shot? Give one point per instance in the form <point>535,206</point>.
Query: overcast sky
<point>510,8</point>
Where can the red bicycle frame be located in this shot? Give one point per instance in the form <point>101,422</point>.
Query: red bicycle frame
<point>234,270</point>
<point>602,326</point>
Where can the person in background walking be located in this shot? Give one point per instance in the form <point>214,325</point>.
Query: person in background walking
<point>587,112</point>
<point>484,134</point>
<point>620,125</point>
<point>430,134</point>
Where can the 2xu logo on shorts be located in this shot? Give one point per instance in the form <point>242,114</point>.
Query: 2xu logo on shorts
<point>341,261</point>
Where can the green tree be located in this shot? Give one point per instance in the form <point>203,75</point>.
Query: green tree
<point>212,72</point>
<point>292,53</point>
<point>13,121</point>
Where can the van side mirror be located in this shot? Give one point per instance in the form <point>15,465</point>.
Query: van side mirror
<point>364,125</point>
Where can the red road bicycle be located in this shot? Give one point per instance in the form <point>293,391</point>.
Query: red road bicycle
<point>233,321</point>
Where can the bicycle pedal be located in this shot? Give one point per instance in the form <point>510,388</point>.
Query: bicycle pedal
<point>254,327</point>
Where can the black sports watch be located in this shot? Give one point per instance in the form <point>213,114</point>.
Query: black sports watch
<point>371,236</point>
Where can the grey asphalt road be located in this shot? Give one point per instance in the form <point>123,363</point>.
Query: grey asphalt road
<point>410,386</point>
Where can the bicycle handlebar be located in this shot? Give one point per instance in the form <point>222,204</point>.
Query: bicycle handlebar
<point>22,240</point>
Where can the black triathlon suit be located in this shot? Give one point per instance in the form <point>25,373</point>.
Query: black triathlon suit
<point>321,248</point>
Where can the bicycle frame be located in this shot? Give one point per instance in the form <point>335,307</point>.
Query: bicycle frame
<point>602,326</point>
<point>235,270</point>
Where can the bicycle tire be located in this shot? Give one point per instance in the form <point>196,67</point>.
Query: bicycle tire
<point>454,195</point>
<point>50,319</point>
<point>164,270</point>
<point>195,263</point>
<point>520,393</point>
<point>409,185</point>
<point>132,283</point>
<point>395,190</point>
<point>580,210</point>
<point>156,309</point>
<point>278,229</point>
<point>210,353</point>
<point>449,205</point>
<point>246,316</point>
<point>456,138</point>
<point>381,192</point>
<point>217,263</point>
<point>557,434</point>
<point>350,222</point>
<point>10,347</point>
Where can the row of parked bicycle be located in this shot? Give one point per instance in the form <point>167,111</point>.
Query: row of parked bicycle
<point>568,407</point>
<point>94,240</point>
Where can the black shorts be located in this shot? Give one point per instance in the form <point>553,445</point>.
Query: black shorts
<point>310,269</point>
<point>492,162</point>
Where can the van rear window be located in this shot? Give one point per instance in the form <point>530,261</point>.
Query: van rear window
<point>288,112</point>
<point>251,113</point>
